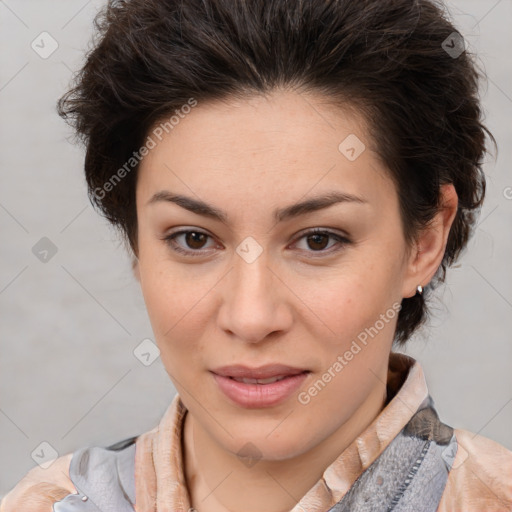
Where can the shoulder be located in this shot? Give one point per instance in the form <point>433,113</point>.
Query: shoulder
<point>40,488</point>
<point>481,476</point>
<point>76,476</point>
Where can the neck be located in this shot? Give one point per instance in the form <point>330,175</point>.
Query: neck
<point>218,482</point>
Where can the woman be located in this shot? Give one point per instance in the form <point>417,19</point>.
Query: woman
<point>292,178</point>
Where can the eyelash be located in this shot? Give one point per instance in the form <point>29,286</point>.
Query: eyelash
<point>341,240</point>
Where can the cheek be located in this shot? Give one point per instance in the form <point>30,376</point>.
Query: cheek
<point>170,292</point>
<point>348,299</point>
<point>164,303</point>
<point>178,306</point>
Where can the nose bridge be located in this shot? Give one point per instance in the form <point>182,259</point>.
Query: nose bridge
<point>251,275</point>
<point>250,308</point>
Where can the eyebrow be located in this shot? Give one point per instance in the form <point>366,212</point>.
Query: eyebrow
<point>280,214</point>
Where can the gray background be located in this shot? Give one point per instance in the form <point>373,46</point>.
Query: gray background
<point>68,375</point>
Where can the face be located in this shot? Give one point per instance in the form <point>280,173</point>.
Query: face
<point>236,283</point>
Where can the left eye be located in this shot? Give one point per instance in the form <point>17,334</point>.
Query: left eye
<point>195,240</point>
<point>316,239</point>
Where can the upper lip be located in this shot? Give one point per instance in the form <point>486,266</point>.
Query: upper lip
<point>261,372</point>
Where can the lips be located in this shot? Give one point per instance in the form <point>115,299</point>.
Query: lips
<point>258,387</point>
<point>253,393</point>
<point>259,375</point>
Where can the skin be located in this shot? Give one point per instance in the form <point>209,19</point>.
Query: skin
<point>301,302</point>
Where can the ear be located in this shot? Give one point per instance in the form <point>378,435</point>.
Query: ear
<point>428,251</point>
<point>135,268</point>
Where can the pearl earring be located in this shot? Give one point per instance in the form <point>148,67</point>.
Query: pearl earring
<point>420,289</point>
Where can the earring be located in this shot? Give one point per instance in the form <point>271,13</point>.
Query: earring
<point>419,289</point>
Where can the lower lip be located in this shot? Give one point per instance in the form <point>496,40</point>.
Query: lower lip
<point>259,395</point>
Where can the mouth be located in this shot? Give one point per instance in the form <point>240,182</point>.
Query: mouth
<point>259,387</point>
<point>258,375</point>
<point>270,380</point>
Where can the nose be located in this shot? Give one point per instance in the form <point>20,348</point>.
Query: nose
<point>255,301</point>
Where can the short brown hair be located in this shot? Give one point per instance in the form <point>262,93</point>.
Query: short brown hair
<point>389,58</point>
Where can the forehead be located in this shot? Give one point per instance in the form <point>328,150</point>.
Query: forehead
<point>285,143</point>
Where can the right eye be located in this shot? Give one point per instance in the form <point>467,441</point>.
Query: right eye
<point>192,238</point>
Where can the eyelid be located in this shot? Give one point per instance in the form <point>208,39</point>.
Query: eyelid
<point>331,231</point>
<point>170,238</point>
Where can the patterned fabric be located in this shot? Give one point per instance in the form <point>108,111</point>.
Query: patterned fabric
<point>411,473</point>
<point>104,478</point>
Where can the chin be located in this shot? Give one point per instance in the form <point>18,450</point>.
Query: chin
<point>260,447</point>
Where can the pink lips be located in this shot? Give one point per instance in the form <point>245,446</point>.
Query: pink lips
<point>256,395</point>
